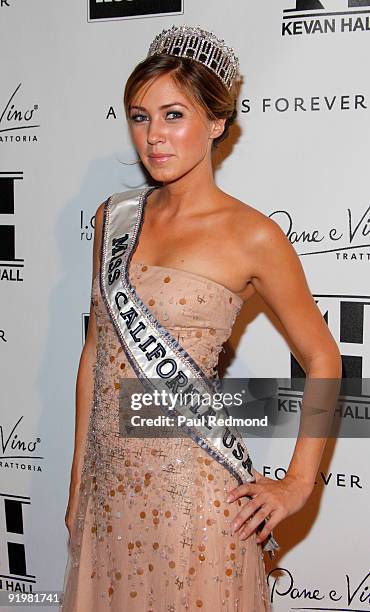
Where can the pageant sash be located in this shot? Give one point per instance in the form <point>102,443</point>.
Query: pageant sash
<point>154,354</point>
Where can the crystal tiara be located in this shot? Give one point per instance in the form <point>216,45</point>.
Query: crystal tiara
<point>201,46</point>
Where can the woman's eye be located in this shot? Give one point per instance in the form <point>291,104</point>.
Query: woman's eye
<point>138,118</point>
<point>174,115</point>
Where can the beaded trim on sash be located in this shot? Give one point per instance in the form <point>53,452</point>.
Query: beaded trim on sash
<point>137,329</point>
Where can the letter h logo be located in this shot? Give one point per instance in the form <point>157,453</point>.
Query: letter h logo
<point>7,232</point>
<point>14,530</point>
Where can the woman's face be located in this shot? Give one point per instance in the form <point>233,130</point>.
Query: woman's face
<point>171,134</point>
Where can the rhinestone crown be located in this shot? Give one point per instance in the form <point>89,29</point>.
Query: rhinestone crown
<point>201,46</point>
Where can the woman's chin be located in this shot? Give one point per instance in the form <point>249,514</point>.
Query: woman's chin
<point>162,175</point>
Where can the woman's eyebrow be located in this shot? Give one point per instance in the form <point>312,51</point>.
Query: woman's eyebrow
<point>161,107</point>
<point>173,104</point>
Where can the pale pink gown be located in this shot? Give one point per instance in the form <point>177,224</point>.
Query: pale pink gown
<point>153,527</point>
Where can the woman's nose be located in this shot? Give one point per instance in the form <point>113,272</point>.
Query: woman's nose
<point>156,132</point>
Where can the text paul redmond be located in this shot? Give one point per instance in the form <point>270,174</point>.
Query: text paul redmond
<point>202,421</point>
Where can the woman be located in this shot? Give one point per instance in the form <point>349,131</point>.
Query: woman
<point>159,524</point>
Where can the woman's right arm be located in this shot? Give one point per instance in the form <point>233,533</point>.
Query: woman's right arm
<point>84,385</point>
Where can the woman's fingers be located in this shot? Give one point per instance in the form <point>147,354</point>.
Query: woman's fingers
<point>251,526</point>
<point>249,508</point>
<point>248,488</point>
<point>267,498</point>
<point>259,506</point>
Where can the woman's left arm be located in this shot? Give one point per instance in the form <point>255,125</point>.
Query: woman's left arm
<point>279,279</point>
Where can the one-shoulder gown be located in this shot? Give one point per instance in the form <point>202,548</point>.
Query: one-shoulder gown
<point>152,530</point>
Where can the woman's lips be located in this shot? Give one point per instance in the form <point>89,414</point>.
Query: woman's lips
<point>159,158</point>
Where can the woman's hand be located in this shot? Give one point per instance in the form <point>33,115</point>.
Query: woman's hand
<point>274,499</point>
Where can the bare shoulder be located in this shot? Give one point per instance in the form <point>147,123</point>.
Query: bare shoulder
<point>260,246</point>
<point>99,214</point>
<point>256,220</point>
<point>255,229</point>
<point>98,234</point>
<point>99,221</point>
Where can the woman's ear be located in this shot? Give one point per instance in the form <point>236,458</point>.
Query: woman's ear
<point>218,127</point>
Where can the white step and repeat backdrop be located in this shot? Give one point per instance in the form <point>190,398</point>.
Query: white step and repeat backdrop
<point>300,154</point>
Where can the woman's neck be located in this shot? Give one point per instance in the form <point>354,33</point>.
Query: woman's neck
<point>193,192</point>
